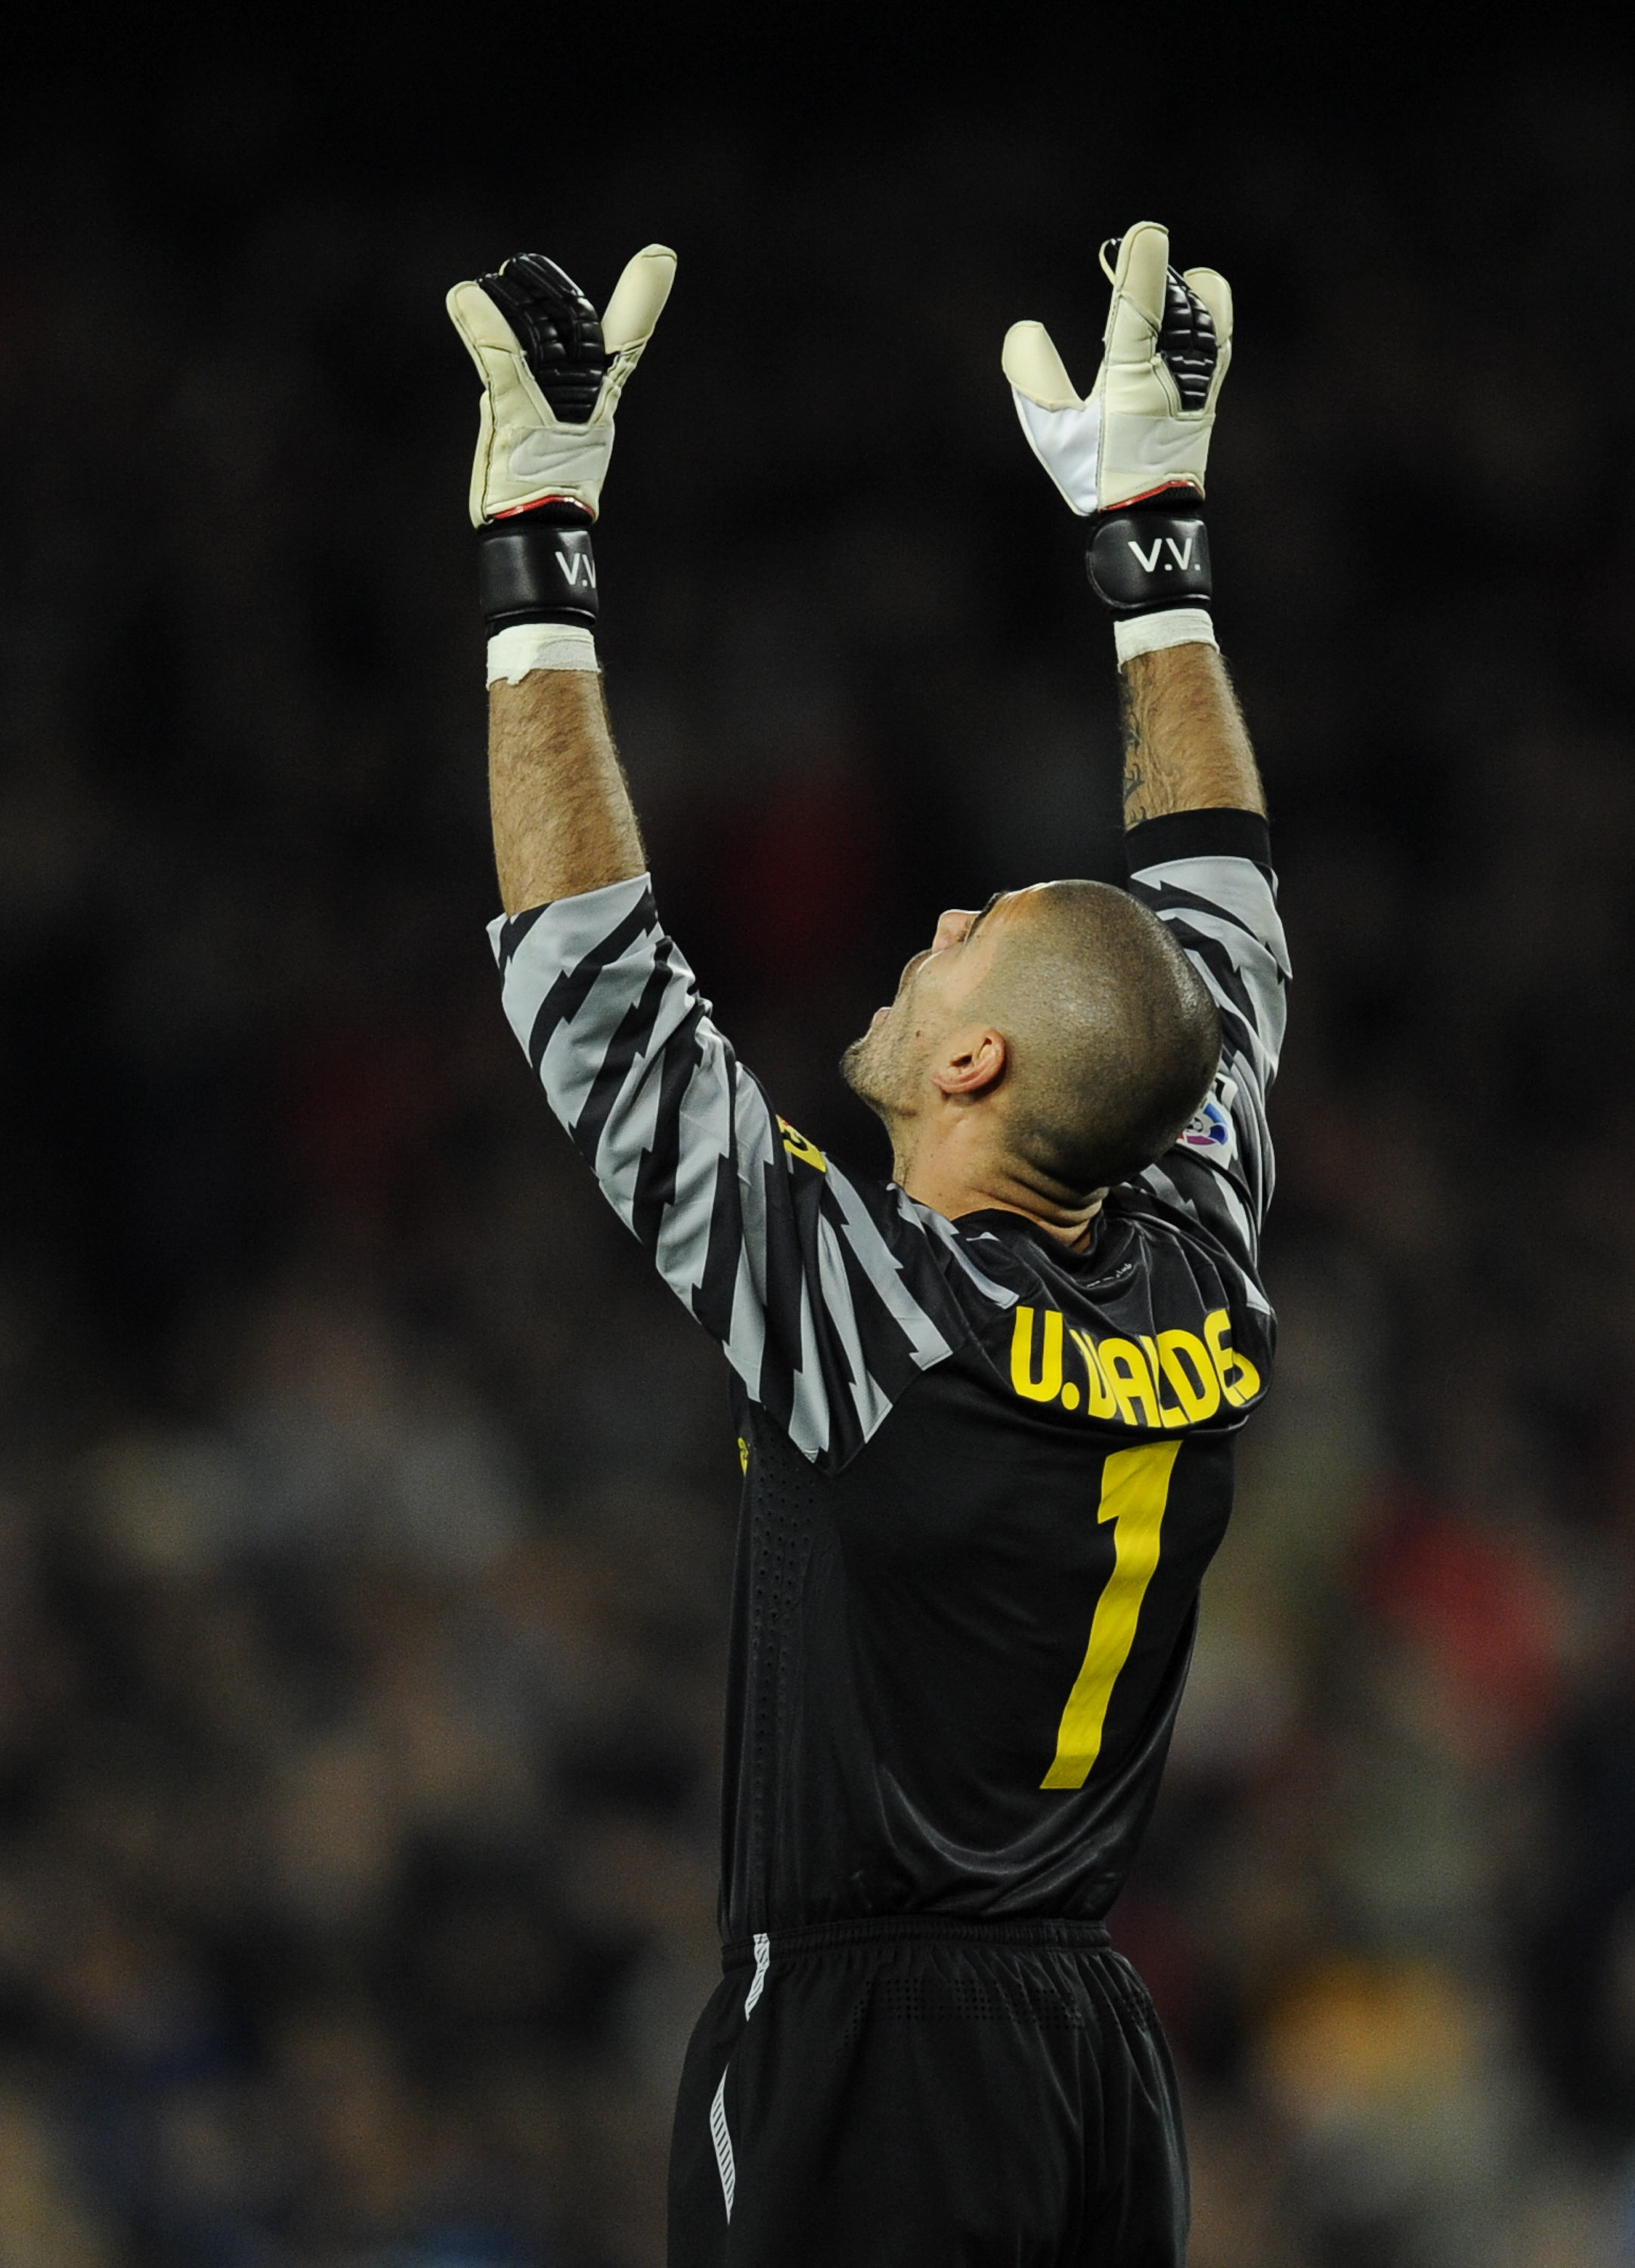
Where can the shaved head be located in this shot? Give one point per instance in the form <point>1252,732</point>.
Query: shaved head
<point>1112,1036</point>
<point>1067,1017</point>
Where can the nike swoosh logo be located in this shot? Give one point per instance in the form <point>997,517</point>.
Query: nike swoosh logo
<point>544,450</point>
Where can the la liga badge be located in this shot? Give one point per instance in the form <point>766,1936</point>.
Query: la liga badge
<point>1211,1131</point>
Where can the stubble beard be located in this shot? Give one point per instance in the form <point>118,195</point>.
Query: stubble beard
<point>871,1069</point>
<point>879,1072</point>
<point>857,1068</point>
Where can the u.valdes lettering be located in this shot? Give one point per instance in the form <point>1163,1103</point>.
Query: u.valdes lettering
<point>1159,1384</point>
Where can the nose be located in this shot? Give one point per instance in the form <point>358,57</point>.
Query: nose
<point>951,927</point>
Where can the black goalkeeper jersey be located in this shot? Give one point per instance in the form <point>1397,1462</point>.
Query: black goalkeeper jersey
<point>983,1475</point>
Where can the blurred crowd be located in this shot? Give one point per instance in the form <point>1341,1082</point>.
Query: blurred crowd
<point>368,1513</point>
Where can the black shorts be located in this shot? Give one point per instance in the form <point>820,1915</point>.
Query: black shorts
<point>928,2094</point>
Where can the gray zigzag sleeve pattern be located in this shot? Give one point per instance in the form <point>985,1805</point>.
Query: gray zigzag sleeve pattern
<point>828,1296</point>
<point>1223,911</point>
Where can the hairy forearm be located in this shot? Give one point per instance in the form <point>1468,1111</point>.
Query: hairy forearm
<point>564,821</point>
<point>1186,747</point>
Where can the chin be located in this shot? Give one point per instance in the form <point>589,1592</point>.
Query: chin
<point>853,1065</point>
<point>862,1072</point>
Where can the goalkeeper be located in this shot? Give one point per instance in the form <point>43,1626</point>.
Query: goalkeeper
<point>987,1409</point>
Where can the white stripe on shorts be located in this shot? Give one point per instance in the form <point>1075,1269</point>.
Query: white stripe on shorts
<point>723,2142</point>
<point>757,1983</point>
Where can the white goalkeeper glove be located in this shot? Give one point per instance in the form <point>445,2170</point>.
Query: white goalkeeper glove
<point>552,376</point>
<point>1146,425</point>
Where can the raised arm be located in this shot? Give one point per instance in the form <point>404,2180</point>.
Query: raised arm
<point>562,818</point>
<point>1186,747</point>
<point>552,376</point>
<point>1131,458</point>
<point>829,1297</point>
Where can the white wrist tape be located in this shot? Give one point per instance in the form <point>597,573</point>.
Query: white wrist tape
<point>1151,633</point>
<point>517,652</point>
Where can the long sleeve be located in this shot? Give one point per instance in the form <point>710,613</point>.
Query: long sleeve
<point>1208,875</point>
<point>829,1295</point>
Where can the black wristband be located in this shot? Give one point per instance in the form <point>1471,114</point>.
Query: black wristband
<point>1155,556</point>
<point>537,566</point>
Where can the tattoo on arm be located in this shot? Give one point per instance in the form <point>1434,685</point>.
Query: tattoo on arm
<point>1186,747</point>
<point>1136,806</point>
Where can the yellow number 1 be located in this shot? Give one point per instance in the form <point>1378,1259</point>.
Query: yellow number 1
<point>1135,1489</point>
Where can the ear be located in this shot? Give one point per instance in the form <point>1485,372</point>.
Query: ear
<point>973,1065</point>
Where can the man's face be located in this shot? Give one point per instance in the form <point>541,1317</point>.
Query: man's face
<point>889,1068</point>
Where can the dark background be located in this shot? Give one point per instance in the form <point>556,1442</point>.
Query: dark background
<point>367,1512</point>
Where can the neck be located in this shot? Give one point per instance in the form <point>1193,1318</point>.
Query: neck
<point>1070,1225</point>
<point>954,1186</point>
